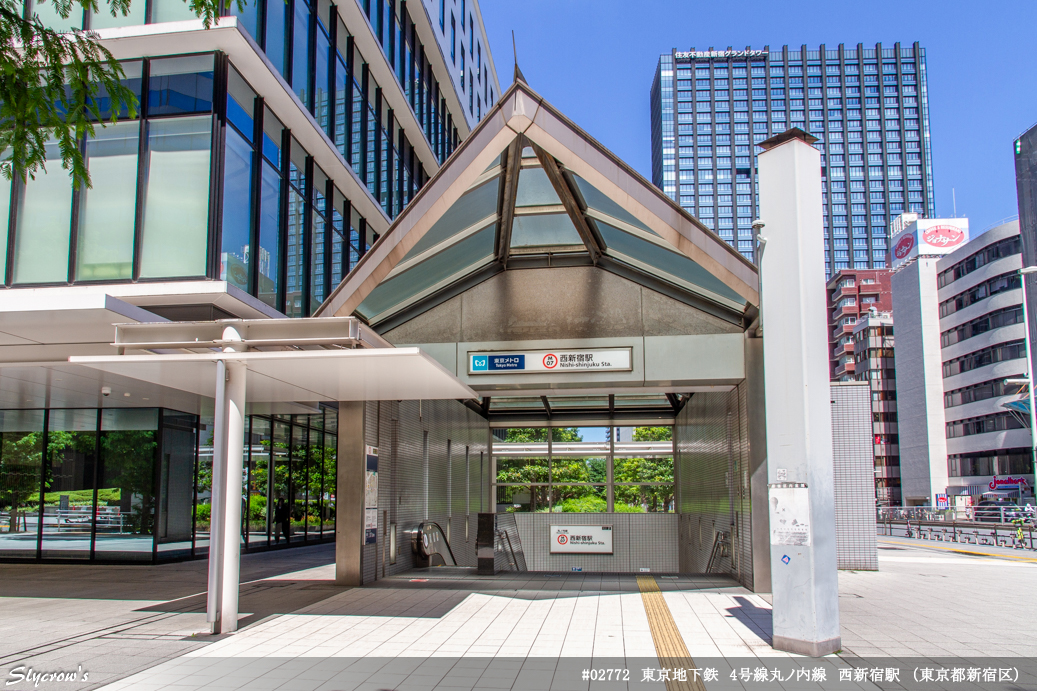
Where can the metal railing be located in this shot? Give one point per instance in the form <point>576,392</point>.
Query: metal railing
<point>1018,535</point>
<point>979,514</point>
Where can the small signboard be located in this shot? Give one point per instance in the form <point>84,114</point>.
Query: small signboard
<point>941,501</point>
<point>550,361</point>
<point>371,496</point>
<point>581,539</point>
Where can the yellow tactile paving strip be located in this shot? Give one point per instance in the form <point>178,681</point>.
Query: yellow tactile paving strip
<point>669,645</point>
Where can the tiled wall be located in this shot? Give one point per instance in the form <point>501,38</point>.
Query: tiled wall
<point>712,468</point>
<point>456,487</point>
<point>854,465</point>
<point>639,541</point>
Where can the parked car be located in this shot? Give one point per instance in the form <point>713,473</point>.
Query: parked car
<point>991,511</point>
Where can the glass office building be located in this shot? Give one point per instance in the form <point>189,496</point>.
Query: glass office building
<point>868,108</point>
<point>211,181</point>
<point>267,154</point>
<point>134,484</point>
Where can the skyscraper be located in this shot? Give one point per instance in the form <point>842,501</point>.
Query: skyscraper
<point>868,107</point>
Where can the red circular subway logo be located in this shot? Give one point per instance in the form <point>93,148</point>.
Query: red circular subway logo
<point>562,539</point>
<point>943,236</point>
<point>550,361</point>
<point>904,246</point>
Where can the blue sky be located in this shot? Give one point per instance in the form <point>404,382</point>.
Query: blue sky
<point>595,59</point>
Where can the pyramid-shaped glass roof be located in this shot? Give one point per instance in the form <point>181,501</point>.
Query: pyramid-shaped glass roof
<point>531,202</point>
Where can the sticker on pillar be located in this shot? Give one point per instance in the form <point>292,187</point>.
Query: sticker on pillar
<point>786,559</point>
<point>790,516</point>
<point>371,496</point>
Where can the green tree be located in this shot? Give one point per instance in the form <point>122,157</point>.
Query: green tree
<point>531,435</point>
<point>20,459</point>
<point>57,86</point>
<point>656,497</point>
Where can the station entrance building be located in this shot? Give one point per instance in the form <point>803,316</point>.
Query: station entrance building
<point>541,335</point>
<point>568,293</point>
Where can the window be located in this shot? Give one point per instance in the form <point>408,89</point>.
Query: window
<point>235,257</point>
<point>176,199</point>
<point>984,357</point>
<point>453,39</point>
<point>993,286</point>
<point>104,249</point>
<point>301,72</point>
<point>179,86</point>
<point>44,227</point>
<point>442,15</point>
<point>277,34</point>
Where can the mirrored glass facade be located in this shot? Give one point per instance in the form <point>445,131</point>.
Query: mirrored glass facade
<point>868,107</point>
<point>134,484</point>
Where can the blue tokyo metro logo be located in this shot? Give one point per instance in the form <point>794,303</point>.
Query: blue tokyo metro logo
<point>498,363</point>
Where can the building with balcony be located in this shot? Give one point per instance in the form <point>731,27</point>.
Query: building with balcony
<point>983,342</point>
<point>852,294</point>
<point>961,338</point>
<point>874,363</point>
<point>867,106</point>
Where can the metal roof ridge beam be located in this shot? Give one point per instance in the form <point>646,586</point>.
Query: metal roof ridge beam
<point>511,162</point>
<point>572,206</point>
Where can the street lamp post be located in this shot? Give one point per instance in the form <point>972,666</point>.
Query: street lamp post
<point>1023,272</point>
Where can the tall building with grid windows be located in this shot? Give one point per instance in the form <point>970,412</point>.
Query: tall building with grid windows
<point>868,108</point>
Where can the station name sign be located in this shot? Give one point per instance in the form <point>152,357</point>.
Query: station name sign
<point>548,361</point>
<point>690,54</point>
<point>581,539</point>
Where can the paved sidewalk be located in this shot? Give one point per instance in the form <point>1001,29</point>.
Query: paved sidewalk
<point>145,625</point>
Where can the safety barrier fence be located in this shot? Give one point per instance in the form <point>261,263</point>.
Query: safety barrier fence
<point>1020,535</point>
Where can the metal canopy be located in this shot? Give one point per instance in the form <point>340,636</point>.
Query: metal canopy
<point>529,188</point>
<point>377,374</point>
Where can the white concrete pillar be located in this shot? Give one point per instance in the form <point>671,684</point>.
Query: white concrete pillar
<point>227,472</point>
<point>804,576</point>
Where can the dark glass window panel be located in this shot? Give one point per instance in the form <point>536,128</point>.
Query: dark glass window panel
<point>260,511</point>
<point>176,483</point>
<point>321,87</point>
<point>276,33</point>
<point>343,99</point>
<point>338,243</point>
<point>248,16</point>
<point>127,475</point>
<point>133,71</point>
<point>280,484</point>
<point>235,253</point>
<point>301,52</point>
<point>21,463</point>
<point>268,256</point>
<point>294,259</point>
<point>318,247</point>
<point>272,130</point>
<point>358,115</point>
<point>179,86</point>
<point>241,105</point>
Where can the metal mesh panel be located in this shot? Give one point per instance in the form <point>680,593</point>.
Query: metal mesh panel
<point>712,463</point>
<point>639,541</point>
<point>399,430</point>
<point>854,489</point>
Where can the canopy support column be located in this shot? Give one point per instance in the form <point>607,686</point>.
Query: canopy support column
<point>225,520</point>
<point>349,508</point>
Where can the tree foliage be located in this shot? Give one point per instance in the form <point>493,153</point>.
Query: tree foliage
<point>56,87</point>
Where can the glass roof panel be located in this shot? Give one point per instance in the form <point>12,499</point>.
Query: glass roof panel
<point>496,162</point>
<point>459,260</point>
<point>534,189</point>
<point>599,202</point>
<point>472,207</point>
<point>544,230</point>
<point>666,261</point>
